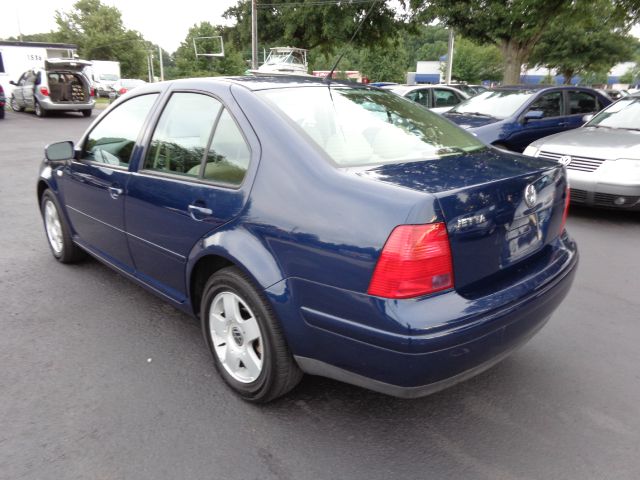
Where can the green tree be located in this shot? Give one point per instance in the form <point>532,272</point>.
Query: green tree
<point>188,65</point>
<point>474,63</point>
<point>596,39</point>
<point>514,26</point>
<point>98,31</point>
<point>306,24</point>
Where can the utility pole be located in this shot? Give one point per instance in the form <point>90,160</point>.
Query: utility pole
<point>254,35</point>
<point>449,57</point>
<point>161,64</point>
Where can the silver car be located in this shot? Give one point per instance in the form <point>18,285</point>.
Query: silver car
<point>602,157</point>
<point>437,98</point>
<point>59,86</point>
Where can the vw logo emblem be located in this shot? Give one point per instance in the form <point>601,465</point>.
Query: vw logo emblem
<point>565,160</point>
<point>530,195</point>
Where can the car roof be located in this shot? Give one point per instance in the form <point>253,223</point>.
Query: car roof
<point>540,87</point>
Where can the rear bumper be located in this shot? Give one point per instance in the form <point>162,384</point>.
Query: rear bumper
<point>47,104</point>
<point>430,343</point>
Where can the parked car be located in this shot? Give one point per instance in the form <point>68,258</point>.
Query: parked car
<point>124,85</point>
<point>602,158</point>
<point>511,118</point>
<point>59,86</point>
<point>311,234</point>
<point>438,98</point>
<point>3,100</point>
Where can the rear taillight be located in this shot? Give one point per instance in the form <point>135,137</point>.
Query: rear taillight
<point>415,260</point>
<point>92,92</point>
<point>565,214</point>
<point>44,91</point>
<point>122,91</point>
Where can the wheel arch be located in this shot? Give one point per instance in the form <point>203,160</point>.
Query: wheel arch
<point>227,248</point>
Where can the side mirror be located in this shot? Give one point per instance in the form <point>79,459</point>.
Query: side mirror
<point>533,115</point>
<point>11,82</point>
<point>59,152</point>
<point>588,117</point>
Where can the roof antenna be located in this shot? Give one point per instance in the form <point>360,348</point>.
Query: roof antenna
<point>344,50</point>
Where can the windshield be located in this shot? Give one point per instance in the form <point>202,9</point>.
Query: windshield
<point>495,103</point>
<point>358,126</point>
<point>625,113</point>
<point>109,77</point>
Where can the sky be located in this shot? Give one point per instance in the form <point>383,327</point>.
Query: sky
<point>167,27</point>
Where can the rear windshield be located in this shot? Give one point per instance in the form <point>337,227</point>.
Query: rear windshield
<point>360,126</point>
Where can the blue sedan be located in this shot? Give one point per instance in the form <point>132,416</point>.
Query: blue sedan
<point>319,228</point>
<point>511,118</point>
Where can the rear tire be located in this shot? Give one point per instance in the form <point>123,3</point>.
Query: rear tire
<point>87,113</point>
<point>40,112</point>
<point>58,231</point>
<point>245,338</point>
<point>14,105</point>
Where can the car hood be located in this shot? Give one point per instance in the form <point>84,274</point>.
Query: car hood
<point>470,122</point>
<point>593,142</point>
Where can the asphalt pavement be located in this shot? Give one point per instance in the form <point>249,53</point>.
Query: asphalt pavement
<point>101,380</point>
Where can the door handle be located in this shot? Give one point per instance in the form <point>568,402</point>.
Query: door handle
<point>563,124</point>
<point>195,210</point>
<point>115,192</point>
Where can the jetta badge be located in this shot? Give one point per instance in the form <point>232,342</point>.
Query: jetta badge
<point>565,160</point>
<point>530,195</point>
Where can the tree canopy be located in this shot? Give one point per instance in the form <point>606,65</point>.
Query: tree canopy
<point>98,31</point>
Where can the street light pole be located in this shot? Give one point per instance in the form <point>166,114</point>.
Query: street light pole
<point>254,35</point>
<point>449,57</point>
<point>161,64</point>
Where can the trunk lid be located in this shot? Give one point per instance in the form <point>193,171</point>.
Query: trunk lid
<point>66,64</point>
<point>500,209</point>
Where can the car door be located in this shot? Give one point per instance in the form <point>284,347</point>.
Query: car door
<point>553,120</point>
<point>18,91</point>
<point>28,89</point>
<point>580,103</point>
<point>187,186</point>
<point>94,184</point>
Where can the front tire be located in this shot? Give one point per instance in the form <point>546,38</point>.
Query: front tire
<point>245,339</point>
<point>58,231</point>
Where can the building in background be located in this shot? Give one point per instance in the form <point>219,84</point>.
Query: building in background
<point>18,57</point>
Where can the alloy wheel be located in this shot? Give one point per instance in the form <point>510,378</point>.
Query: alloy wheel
<point>236,337</point>
<point>53,227</point>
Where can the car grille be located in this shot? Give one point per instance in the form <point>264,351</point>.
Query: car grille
<point>578,196</point>
<point>606,200</point>
<point>583,164</point>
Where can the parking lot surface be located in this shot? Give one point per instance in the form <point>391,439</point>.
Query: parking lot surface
<point>99,379</point>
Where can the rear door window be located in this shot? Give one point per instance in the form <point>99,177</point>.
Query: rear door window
<point>444,98</point>
<point>111,142</point>
<point>582,102</point>
<point>229,155</point>
<point>180,140</point>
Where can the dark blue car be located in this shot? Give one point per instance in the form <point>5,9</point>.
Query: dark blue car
<point>331,229</point>
<point>511,118</point>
